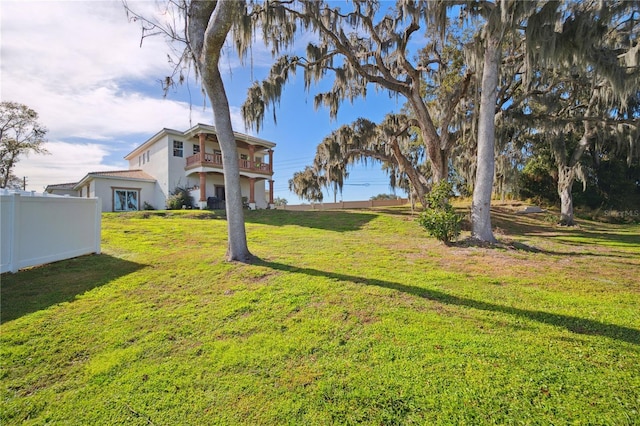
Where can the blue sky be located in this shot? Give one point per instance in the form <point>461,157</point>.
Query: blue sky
<point>79,64</point>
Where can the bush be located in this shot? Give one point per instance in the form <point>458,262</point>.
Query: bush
<point>439,219</point>
<point>280,201</point>
<point>178,198</point>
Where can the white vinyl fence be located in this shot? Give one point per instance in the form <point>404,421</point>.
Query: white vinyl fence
<point>346,205</point>
<point>38,228</point>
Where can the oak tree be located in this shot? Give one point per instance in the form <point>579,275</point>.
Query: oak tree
<point>20,134</point>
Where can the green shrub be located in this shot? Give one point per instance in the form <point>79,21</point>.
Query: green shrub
<point>178,198</point>
<point>439,218</point>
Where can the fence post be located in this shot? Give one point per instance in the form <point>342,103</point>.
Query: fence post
<point>14,263</point>
<point>98,236</point>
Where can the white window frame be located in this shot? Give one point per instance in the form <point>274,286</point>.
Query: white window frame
<point>178,149</point>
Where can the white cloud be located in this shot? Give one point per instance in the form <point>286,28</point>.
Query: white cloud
<point>65,163</point>
<point>74,45</point>
<point>73,67</point>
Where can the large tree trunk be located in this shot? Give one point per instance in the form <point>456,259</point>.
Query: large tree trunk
<point>567,172</point>
<point>418,181</point>
<point>481,205</point>
<point>237,248</point>
<point>566,177</point>
<point>209,24</point>
<point>437,158</point>
<point>439,164</point>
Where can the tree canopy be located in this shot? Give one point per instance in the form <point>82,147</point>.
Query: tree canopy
<point>542,62</point>
<point>20,134</point>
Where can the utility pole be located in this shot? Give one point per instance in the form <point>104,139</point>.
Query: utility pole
<point>24,183</point>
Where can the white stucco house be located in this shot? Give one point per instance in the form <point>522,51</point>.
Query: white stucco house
<point>171,159</point>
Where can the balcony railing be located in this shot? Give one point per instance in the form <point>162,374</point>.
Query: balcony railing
<point>215,160</point>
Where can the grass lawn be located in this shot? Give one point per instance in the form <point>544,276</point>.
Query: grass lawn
<point>347,317</point>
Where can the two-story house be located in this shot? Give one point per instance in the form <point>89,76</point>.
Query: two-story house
<point>172,159</point>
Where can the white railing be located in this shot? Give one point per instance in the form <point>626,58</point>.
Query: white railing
<point>36,228</point>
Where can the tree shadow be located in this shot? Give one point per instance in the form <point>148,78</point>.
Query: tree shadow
<point>399,211</point>
<point>606,237</point>
<point>532,225</point>
<point>596,232</point>
<point>328,220</point>
<point>38,288</point>
<point>574,324</point>
<point>509,245</point>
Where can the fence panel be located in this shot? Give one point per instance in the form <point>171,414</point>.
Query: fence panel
<point>38,229</point>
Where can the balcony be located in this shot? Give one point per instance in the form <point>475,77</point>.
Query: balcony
<point>215,161</point>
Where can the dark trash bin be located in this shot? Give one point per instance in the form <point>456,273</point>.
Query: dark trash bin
<point>214,203</point>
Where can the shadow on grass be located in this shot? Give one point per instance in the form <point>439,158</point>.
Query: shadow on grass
<point>617,241</point>
<point>329,220</point>
<point>589,232</point>
<point>38,288</point>
<point>573,324</point>
<point>606,238</point>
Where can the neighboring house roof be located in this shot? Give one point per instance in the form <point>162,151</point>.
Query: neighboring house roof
<point>133,175</point>
<point>193,132</point>
<point>61,187</point>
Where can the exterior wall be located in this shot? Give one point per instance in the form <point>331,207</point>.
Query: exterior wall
<point>175,172</point>
<point>38,229</point>
<point>103,188</point>
<point>86,191</point>
<point>165,168</point>
<point>156,166</point>
<point>260,194</point>
<point>213,180</point>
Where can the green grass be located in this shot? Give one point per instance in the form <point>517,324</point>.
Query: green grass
<point>347,317</point>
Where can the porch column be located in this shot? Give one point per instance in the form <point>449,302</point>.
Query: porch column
<point>252,151</point>
<point>203,188</point>
<point>270,160</point>
<point>202,137</point>
<point>252,190</point>
<point>270,191</point>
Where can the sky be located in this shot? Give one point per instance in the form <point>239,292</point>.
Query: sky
<point>81,65</point>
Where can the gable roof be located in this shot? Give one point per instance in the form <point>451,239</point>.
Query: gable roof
<point>131,175</point>
<point>153,139</point>
<point>61,186</point>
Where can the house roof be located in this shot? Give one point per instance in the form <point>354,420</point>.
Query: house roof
<point>131,174</point>
<point>61,186</point>
<point>153,139</point>
<point>251,140</point>
<point>135,175</point>
<point>193,132</point>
